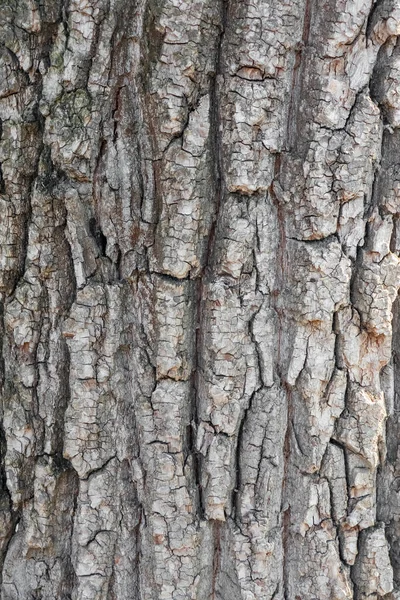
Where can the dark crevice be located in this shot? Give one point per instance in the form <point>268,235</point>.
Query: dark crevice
<point>118,261</point>
<point>238,472</point>
<point>285,548</point>
<point>327,238</point>
<point>98,235</point>
<point>2,182</point>
<point>170,278</point>
<point>100,469</point>
<point>216,558</point>
<point>297,79</point>
<point>292,146</point>
<point>216,160</point>
<point>393,240</point>
<point>27,215</point>
<point>116,113</point>
<point>243,421</point>
<point>216,146</point>
<point>191,437</point>
<point>276,302</point>
<point>373,16</point>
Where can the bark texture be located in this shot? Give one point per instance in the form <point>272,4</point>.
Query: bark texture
<point>199,250</point>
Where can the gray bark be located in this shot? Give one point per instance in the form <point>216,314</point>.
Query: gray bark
<point>199,250</point>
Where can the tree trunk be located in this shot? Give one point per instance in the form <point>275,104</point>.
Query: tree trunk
<point>200,237</point>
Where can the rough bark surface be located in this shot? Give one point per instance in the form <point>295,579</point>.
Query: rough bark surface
<point>199,250</point>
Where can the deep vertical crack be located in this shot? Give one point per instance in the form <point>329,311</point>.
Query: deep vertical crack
<point>216,160</point>
<point>296,86</point>
<point>282,267</point>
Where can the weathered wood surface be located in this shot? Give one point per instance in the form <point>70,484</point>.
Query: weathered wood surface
<point>199,250</point>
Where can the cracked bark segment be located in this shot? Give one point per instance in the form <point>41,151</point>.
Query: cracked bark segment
<point>318,287</point>
<point>98,519</point>
<point>363,355</point>
<point>67,133</point>
<point>188,33</point>
<point>83,17</point>
<point>228,387</point>
<point>234,251</point>
<point>334,469</point>
<point>36,539</point>
<point>373,575</point>
<point>244,556</point>
<point>372,347</point>
<point>123,199</point>
<point>52,479</point>
<point>327,191</point>
<point>88,115</point>
<point>340,115</point>
<point>335,68</point>
<point>387,480</point>
<point>70,101</point>
<point>342,56</point>
<point>185,217</point>
<point>378,281</point>
<point>256,542</point>
<point>258,56</point>
<point>387,186</point>
<point>354,174</point>
<point>84,252</point>
<point>216,473</point>
<point>165,467</point>
<point>313,534</point>
<point>179,90</point>
<point>228,379</point>
<point>20,143</point>
<point>92,334</point>
<point>172,532</point>
<point>361,427</point>
<point>384,85</point>
<point>318,408</point>
<point>264,328</point>
<point>173,307</point>
<point>321,277</point>
<point>361,509</point>
<point>36,382</point>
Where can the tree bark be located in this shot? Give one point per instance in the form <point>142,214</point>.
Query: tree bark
<point>199,249</point>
